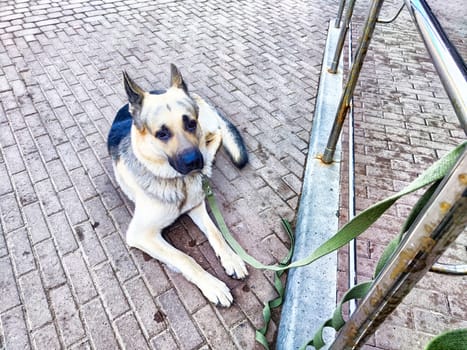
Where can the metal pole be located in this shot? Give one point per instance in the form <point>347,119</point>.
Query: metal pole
<point>447,61</point>
<point>439,224</point>
<point>337,23</point>
<point>362,49</point>
<point>342,34</point>
<point>353,243</point>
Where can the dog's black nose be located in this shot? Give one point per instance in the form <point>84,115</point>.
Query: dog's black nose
<point>188,160</point>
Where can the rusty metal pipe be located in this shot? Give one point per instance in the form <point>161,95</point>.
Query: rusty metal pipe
<point>340,42</point>
<point>337,23</point>
<point>363,44</point>
<point>438,225</point>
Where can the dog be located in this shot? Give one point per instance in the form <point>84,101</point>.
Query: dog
<point>162,143</point>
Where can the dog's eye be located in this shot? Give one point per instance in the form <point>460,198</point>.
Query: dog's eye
<point>190,124</point>
<point>163,134</point>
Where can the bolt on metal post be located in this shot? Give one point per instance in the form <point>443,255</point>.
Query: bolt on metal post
<point>363,44</point>
<point>342,34</point>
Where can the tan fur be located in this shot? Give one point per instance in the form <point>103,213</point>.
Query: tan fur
<point>170,194</point>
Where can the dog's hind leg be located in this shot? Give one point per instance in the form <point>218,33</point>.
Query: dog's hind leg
<point>232,263</point>
<point>144,234</point>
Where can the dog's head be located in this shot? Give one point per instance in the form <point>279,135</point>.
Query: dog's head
<point>165,125</point>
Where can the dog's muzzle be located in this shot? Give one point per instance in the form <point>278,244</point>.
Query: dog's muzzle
<point>187,161</point>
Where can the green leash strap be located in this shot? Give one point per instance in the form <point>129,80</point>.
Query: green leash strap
<point>260,334</point>
<point>350,230</point>
<point>337,320</point>
<point>394,243</point>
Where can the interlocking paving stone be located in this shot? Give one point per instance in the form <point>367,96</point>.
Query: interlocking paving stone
<point>98,326</point>
<point>15,333</point>
<point>35,302</point>
<point>67,317</point>
<point>180,322</point>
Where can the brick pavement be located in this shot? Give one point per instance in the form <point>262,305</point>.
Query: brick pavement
<point>403,123</point>
<point>67,279</point>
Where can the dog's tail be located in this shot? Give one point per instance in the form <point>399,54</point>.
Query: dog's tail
<point>232,142</point>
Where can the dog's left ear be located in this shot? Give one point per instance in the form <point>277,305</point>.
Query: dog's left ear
<point>135,97</point>
<point>176,79</point>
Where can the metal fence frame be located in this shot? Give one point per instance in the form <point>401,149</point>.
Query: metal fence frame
<point>443,219</point>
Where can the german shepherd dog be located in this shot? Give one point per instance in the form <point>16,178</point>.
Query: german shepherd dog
<point>162,143</point>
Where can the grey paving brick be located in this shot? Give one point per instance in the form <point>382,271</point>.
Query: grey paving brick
<point>216,335</point>
<point>13,159</point>
<point>3,247</point>
<point>243,335</point>
<point>107,191</point>
<point>179,321</point>
<point>8,288</point>
<point>152,272</point>
<point>114,299</point>
<point>90,245</point>
<point>122,217</point>
<point>20,251</point>
<point>35,302</point>
<point>45,338</point>
<point>72,205</point>
<point>117,251</point>
<point>99,217</point>
<point>90,162</point>
<point>5,184</point>
<point>82,345</point>
<point>144,307</point>
<point>83,184</point>
<point>48,197</point>
<point>57,135</point>
<point>14,329</point>
<point>25,141</point>
<point>164,341</point>
<point>129,333</point>
<point>62,233</point>
<point>98,326</point>
<point>58,175</point>
<point>24,188</point>
<point>68,156</point>
<point>79,276</point>
<point>67,316</point>
<point>38,229</point>
<point>46,148</point>
<point>50,264</point>
<point>6,136</point>
<point>76,138</point>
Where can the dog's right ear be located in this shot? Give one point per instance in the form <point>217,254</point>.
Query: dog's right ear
<point>135,98</point>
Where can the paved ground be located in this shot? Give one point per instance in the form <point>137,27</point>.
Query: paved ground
<point>404,122</point>
<point>67,279</point>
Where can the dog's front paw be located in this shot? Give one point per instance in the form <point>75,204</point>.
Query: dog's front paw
<point>234,265</point>
<point>215,291</point>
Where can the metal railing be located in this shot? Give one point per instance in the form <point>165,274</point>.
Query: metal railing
<point>446,59</point>
<point>439,225</point>
<point>443,219</point>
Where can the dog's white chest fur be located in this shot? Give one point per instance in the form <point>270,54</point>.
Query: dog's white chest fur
<point>182,193</point>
